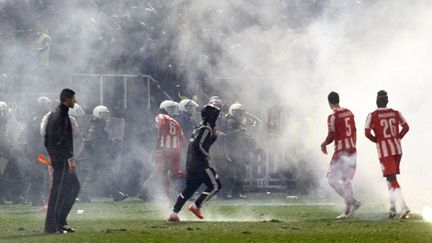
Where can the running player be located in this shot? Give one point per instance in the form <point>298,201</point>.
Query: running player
<point>342,130</point>
<point>385,123</point>
<point>199,170</point>
<point>170,141</point>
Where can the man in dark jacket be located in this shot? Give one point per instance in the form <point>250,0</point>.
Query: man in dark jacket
<point>198,167</point>
<point>65,185</point>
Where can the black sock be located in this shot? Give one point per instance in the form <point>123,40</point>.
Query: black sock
<point>181,200</point>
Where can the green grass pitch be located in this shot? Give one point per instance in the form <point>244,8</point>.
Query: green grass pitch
<point>252,220</point>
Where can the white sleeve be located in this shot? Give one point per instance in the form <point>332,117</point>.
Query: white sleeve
<point>369,124</point>
<point>43,124</point>
<point>75,127</point>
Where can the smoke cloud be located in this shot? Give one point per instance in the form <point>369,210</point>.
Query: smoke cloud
<point>295,52</point>
<point>262,53</point>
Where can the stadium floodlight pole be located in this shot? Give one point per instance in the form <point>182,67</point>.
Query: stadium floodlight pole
<point>148,94</point>
<point>101,89</point>
<point>125,92</point>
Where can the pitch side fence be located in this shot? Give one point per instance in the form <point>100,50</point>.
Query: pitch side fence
<point>114,90</point>
<point>269,169</point>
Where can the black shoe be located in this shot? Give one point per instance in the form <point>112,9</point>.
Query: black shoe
<point>119,196</point>
<point>55,231</point>
<point>68,229</point>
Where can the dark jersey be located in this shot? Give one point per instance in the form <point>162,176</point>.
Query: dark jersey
<point>199,148</point>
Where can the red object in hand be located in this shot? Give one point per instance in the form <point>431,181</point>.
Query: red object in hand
<point>43,160</point>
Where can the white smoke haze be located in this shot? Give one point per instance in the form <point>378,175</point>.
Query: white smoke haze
<point>353,47</point>
<point>278,52</point>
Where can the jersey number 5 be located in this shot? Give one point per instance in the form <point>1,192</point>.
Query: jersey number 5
<point>348,127</point>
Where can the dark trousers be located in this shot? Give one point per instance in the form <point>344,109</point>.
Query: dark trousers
<point>36,175</point>
<point>64,189</point>
<point>194,180</point>
<point>11,182</point>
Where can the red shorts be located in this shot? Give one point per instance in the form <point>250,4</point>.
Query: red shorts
<point>390,165</point>
<point>343,165</point>
<point>168,160</point>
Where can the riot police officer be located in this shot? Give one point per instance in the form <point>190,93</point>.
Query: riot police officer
<point>102,153</point>
<point>34,171</point>
<point>11,182</point>
<point>237,145</point>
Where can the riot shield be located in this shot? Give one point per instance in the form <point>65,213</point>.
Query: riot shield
<point>251,120</point>
<point>83,125</point>
<point>3,163</point>
<point>115,128</point>
<point>13,131</point>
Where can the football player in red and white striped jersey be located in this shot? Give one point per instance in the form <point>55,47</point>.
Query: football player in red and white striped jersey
<point>342,131</point>
<point>385,123</point>
<point>170,142</point>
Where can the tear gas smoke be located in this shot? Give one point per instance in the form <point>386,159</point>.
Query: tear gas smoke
<point>289,53</point>
<point>294,53</point>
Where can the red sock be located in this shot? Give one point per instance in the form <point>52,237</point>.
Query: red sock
<point>394,184</point>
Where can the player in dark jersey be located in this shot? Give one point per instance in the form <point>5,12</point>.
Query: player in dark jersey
<point>199,171</point>
<point>342,130</point>
<point>385,124</point>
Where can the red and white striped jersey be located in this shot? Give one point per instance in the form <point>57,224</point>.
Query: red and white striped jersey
<point>342,125</point>
<point>170,134</point>
<point>385,123</point>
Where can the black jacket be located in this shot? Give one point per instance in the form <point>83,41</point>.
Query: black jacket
<point>199,147</point>
<point>58,135</point>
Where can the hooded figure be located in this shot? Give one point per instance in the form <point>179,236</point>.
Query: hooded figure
<point>199,170</point>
